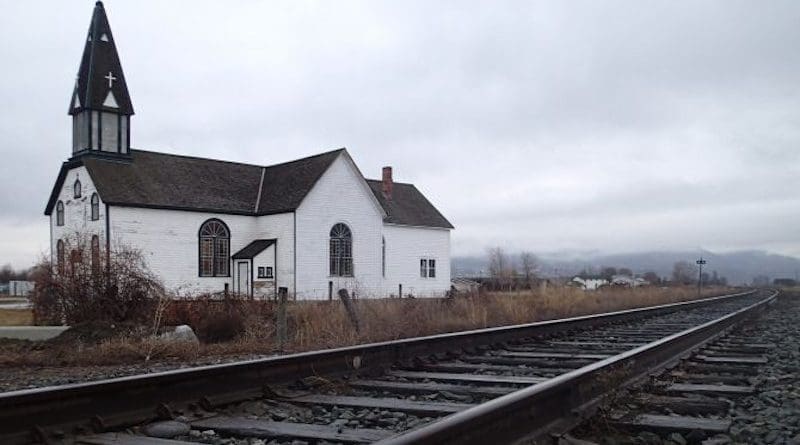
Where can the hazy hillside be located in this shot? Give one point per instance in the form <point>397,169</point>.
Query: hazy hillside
<point>738,267</point>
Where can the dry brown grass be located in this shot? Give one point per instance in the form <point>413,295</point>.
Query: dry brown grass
<point>16,317</point>
<point>325,325</point>
<point>321,325</point>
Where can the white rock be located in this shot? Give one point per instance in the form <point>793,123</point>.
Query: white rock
<point>183,332</point>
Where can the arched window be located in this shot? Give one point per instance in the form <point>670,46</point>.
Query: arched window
<point>60,213</point>
<point>214,244</point>
<point>341,251</point>
<point>383,257</point>
<point>75,258</point>
<point>77,188</point>
<point>60,256</point>
<point>95,253</point>
<point>95,207</point>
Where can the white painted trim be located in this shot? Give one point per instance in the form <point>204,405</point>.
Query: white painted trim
<point>260,187</point>
<point>366,186</point>
<point>110,101</point>
<point>415,227</point>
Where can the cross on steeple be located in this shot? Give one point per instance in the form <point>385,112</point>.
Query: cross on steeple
<point>100,71</point>
<point>101,106</point>
<point>111,79</point>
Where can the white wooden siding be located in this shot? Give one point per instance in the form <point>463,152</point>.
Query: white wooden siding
<point>77,212</point>
<point>169,241</point>
<point>264,287</point>
<point>405,246</point>
<point>340,196</point>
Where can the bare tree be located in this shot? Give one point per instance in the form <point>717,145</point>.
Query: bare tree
<point>651,277</point>
<point>89,284</point>
<point>529,263</point>
<point>608,272</point>
<point>6,273</point>
<point>499,267</point>
<point>683,272</point>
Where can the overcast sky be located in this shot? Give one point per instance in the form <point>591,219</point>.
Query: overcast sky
<point>589,126</point>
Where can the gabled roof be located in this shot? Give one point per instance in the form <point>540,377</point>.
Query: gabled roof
<point>251,250</point>
<point>160,180</point>
<point>285,185</point>
<point>100,66</point>
<point>408,206</point>
<point>166,181</point>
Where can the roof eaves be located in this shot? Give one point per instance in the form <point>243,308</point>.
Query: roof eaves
<point>179,208</point>
<point>66,166</point>
<point>420,226</point>
<point>449,224</point>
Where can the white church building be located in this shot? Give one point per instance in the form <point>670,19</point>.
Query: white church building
<point>313,226</point>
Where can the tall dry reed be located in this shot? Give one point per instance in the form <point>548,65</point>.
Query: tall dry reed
<point>321,325</point>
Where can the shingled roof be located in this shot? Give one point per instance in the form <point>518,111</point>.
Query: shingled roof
<point>100,75</point>
<point>408,206</point>
<point>167,181</point>
<point>162,180</point>
<point>251,250</point>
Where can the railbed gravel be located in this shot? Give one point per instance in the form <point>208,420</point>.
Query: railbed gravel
<point>16,378</point>
<point>771,415</point>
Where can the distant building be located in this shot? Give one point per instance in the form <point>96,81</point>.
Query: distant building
<point>625,280</point>
<point>20,288</point>
<point>589,283</point>
<point>465,285</point>
<point>784,282</point>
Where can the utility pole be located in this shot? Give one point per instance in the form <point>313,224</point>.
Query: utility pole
<point>700,263</point>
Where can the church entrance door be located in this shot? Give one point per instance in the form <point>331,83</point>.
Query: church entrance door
<point>243,277</point>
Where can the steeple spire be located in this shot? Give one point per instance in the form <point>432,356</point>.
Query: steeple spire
<point>100,106</point>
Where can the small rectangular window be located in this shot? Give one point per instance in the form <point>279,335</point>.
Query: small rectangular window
<point>265,272</point>
<point>431,268</point>
<point>423,268</point>
<point>261,273</point>
<point>268,273</point>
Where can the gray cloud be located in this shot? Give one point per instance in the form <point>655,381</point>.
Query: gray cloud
<point>541,125</point>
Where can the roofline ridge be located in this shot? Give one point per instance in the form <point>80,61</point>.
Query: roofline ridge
<point>343,149</point>
<point>393,182</point>
<point>133,150</point>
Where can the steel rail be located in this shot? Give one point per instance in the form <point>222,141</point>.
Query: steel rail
<point>558,403</point>
<point>113,403</point>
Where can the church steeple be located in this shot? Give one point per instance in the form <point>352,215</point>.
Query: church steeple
<point>100,107</point>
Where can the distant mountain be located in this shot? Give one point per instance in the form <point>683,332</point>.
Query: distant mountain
<point>738,267</point>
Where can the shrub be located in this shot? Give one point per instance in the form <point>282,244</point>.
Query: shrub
<point>91,285</point>
<point>217,318</point>
<point>220,327</point>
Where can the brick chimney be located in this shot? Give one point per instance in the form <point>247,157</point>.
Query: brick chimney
<point>387,182</point>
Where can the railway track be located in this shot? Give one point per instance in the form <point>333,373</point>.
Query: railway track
<point>497,385</point>
<point>734,389</point>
